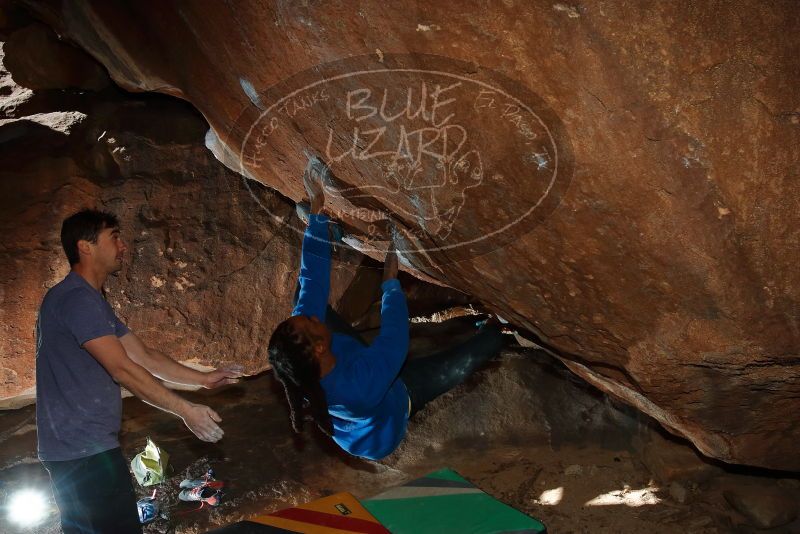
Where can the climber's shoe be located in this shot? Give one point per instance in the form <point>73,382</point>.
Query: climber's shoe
<point>204,493</point>
<point>207,479</point>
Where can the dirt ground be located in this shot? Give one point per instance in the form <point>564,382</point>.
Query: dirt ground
<point>524,430</point>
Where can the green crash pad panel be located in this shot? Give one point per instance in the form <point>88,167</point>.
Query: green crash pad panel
<point>443,502</point>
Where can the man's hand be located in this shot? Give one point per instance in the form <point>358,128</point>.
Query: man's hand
<point>312,181</point>
<point>111,353</point>
<point>223,376</point>
<point>390,264</point>
<point>202,421</point>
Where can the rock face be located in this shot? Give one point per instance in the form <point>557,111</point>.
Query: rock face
<point>208,275</point>
<point>765,507</point>
<point>38,60</point>
<point>213,257</point>
<point>620,179</point>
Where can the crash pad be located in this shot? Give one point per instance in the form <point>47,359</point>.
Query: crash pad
<point>444,501</point>
<point>441,502</point>
<point>336,514</point>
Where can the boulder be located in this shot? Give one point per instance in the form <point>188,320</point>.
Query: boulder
<point>764,505</point>
<point>38,60</point>
<point>209,273</point>
<point>213,257</point>
<point>620,180</point>
<point>196,286</point>
<point>673,460</point>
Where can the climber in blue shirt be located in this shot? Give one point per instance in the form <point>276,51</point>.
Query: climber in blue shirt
<point>360,395</point>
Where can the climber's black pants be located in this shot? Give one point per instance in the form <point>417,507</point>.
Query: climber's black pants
<point>428,377</point>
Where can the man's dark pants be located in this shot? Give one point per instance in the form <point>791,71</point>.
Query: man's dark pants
<point>95,494</point>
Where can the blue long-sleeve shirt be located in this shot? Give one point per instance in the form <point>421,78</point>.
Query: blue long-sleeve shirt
<point>367,401</point>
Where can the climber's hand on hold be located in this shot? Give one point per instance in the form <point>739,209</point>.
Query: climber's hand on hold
<point>390,264</point>
<point>312,181</point>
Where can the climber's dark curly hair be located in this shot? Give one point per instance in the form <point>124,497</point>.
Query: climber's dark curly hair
<point>296,368</point>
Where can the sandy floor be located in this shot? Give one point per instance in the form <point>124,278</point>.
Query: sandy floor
<point>523,430</point>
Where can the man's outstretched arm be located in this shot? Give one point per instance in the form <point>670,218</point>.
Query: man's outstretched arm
<point>201,420</point>
<point>167,369</point>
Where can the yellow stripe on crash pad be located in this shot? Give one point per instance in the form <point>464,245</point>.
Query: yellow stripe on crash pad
<point>336,514</point>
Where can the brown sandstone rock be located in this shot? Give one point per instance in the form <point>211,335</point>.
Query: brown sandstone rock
<point>664,274</point>
<point>209,273</point>
<point>213,258</point>
<point>38,60</point>
<point>764,505</point>
<point>672,460</point>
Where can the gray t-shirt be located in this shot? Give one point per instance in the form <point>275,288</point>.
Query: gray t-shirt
<point>78,404</point>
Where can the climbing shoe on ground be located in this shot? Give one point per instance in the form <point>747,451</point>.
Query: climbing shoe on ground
<point>203,493</point>
<point>207,479</point>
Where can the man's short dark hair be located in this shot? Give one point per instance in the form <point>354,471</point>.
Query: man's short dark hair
<point>86,225</point>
